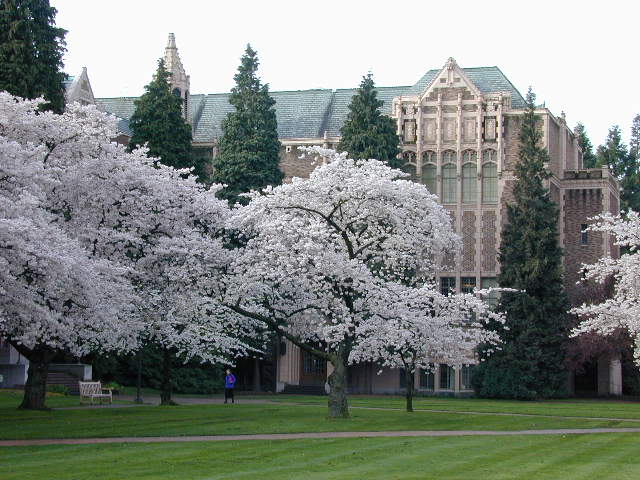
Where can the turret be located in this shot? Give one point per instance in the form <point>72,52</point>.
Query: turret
<point>179,79</point>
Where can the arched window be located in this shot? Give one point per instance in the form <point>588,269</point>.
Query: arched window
<point>410,169</point>
<point>489,182</point>
<point>489,156</point>
<point>429,157</point>
<point>469,183</point>
<point>410,164</point>
<point>469,156</point>
<point>449,156</point>
<point>429,177</point>
<point>449,180</point>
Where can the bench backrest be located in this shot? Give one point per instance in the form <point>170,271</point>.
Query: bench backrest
<point>90,388</point>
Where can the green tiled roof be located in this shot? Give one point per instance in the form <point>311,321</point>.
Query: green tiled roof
<point>486,79</point>
<point>309,113</point>
<point>122,108</point>
<point>68,81</point>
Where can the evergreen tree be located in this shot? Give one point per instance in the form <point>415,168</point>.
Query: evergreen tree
<point>530,363</point>
<point>630,195</point>
<point>613,153</point>
<point>366,132</point>
<point>623,164</point>
<point>31,50</point>
<point>634,144</point>
<point>248,149</point>
<point>588,157</point>
<point>158,122</point>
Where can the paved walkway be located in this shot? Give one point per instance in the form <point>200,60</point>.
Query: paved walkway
<point>299,436</point>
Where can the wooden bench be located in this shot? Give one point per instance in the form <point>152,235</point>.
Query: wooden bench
<point>93,390</point>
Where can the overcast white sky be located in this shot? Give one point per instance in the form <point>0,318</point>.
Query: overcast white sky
<point>579,58</point>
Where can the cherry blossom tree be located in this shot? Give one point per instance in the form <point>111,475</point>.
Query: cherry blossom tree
<point>85,227</point>
<point>180,317</point>
<point>622,310</point>
<point>325,255</point>
<point>421,327</point>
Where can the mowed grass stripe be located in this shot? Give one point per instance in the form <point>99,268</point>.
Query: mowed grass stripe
<point>568,407</point>
<point>255,419</point>
<point>606,456</point>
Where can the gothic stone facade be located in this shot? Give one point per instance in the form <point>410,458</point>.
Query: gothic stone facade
<point>458,131</point>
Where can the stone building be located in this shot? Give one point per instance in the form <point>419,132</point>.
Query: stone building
<point>458,132</point>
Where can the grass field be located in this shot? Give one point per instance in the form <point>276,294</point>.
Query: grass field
<point>250,418</point>
<point>569,407</point>
<point>592,457</point>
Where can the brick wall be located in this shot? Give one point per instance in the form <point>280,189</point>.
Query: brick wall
<point>579,206</point>
<point>489,238</point>
<point>468,241</point>
<point>511,144</point>
<point>293,166</point>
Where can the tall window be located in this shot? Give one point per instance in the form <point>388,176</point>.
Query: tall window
<point>449,156</point>
<point>410,164</point>
<point>469,183</point>
<point>469,156</point>
<point>313,365</point>
<point>429,177</point>
<point>447,377</point>
<point>449,183</point>
<point>490,282</point>
<point>410,169</point>
<point>466,375</point>
<point>489,183</point>
<point>467,284</point>
<point>489,155</point>
<point>584,234</point>
<point>448,285</point>
<point>427,378</point>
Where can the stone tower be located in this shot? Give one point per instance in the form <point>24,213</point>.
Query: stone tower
<point>179,79</point>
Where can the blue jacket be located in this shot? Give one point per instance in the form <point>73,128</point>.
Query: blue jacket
<point>229,381</point>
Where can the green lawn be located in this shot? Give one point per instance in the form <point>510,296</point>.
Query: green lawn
<point>569,408</point>
<point>250,418</point>
<point>593,457</point>
<point>10,399</point>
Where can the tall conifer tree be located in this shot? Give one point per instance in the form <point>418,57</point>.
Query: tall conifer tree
<point>630,196</point>
<point>158,122</point>
<point>248,149</point>
<point>366,132</point>
<point>530,363</point>
<point>31,50</point>
<point>588,157</point>
<point>624,166</point>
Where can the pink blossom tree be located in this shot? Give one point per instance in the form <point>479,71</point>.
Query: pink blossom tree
<point>622,309</point>
<point>326,255</point>
<point>86,229</point>
<point>422,327</point>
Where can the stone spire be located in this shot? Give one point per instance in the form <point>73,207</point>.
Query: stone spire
<point>179,79</point>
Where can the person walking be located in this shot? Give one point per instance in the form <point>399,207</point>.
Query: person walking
<point>229,383</point>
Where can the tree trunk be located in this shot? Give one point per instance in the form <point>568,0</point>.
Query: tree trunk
<point>165,393</point>
<point>410,380</point>
<point>256,375</point>
<point>139,377</point>
<point>35,391</point>
<point>338,407</point>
